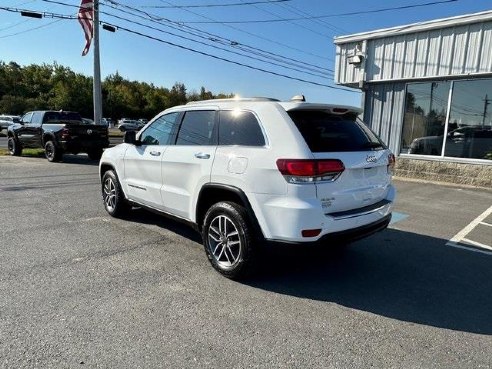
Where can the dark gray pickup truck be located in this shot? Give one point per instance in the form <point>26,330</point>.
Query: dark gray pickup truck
<point>57,132</point>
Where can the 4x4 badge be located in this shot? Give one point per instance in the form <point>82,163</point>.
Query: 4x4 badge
<point>371,159</point>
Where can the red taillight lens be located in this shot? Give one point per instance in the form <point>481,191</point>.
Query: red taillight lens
<point>309,168</point>
<point>299,170</point>
<point>65,134</point>
<point>330,166</point>
<point>391,163</point>
<point>292,167</point>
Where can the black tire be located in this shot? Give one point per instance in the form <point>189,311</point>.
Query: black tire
<point>113,197</point>
<point>52,152</point>
<point>228,222</point>
<point>15,149</point>
<point>95,154</point>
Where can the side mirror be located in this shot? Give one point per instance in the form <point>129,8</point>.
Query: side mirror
<point>131,138</point>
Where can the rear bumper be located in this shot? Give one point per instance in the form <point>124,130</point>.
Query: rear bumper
<point>349,235</point>
<point>285,218</point>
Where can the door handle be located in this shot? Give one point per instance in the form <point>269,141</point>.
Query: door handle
<point>202,155</point>
<point>155,153</point>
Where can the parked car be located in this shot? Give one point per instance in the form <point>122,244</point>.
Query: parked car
<point>57,132</point>
<point>245,171</point>
<point>108,122</point>
<point>463,142</point>
<point>8,120</point>
<point>130,125</point>
<point>87,121</point>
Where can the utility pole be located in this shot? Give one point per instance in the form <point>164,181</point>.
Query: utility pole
<point>97,95</point>
<point>485,106</point>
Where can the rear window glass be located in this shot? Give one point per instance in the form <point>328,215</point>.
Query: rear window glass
<point>66,117</point>
<point>326,132</point>
<point>240,128</point>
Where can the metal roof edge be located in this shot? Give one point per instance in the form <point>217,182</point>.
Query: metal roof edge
<point>416,27</point>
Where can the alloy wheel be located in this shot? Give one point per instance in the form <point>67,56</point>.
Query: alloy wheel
<point>109,194</point>
<point>224,241</point>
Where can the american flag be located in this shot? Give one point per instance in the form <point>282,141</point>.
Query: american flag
<point>86,20</point>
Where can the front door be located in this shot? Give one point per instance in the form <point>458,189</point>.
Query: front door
<point>143,172</point>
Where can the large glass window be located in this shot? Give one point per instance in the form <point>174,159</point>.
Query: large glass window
<point>468,132</point>
<point>425,118</point>
<point>326,132</point>
<point>197,128</point>
<point>470,121</point>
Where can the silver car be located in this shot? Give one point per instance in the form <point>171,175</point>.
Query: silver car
<point>7,120</point>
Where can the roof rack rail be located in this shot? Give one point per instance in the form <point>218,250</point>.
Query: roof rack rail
<point>232,99</point>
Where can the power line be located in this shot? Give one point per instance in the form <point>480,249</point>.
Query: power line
<point>323,23</point>
<point>252,34</point>
<point>324,16</point>
<point>231,61</point>
<point>192,30</point>
<point>210,37</point>
<point>64,16</point>
<point>31,29</point>
<point>213,5</point>
<point>318,72</point>
<point>292,22</point>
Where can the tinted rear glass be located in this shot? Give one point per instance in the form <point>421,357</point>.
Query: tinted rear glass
<point>240,128</point>
<point>66,117</point>
<point>326,132</point>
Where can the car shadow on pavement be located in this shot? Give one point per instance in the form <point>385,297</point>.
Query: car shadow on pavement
<point>396,274</point>
<point>79,159</point>
<point>171,224</point>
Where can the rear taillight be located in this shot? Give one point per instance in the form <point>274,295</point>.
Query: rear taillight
<point>65,134</point>
<point>307,171</point>
<point>391,164</point>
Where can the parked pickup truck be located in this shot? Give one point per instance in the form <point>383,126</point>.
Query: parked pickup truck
<point>57,132</point>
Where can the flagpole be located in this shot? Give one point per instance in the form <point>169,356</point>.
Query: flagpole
<point>97,95</point>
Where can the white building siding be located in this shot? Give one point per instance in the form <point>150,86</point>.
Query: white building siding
<point>486,55</point>
<point>383,111</point>
<point>454,50</point>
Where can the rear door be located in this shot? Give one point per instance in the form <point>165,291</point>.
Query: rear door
<point>187,165</point>
<point>365,180</point>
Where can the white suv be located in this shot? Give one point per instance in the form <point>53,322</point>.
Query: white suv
<point>245,171</point>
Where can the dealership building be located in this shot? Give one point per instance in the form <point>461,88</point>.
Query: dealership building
<point>427,91</point>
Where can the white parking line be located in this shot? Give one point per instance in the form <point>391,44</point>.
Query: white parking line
<point>461,235</point>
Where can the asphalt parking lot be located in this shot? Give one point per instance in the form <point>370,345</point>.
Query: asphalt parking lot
<point>80,289</point>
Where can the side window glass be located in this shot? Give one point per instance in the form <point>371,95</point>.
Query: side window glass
<point>240,128</point>
<point>37,118</point>
<point>160,131</point>
<point>26,118</point>
<point>197,128</point>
